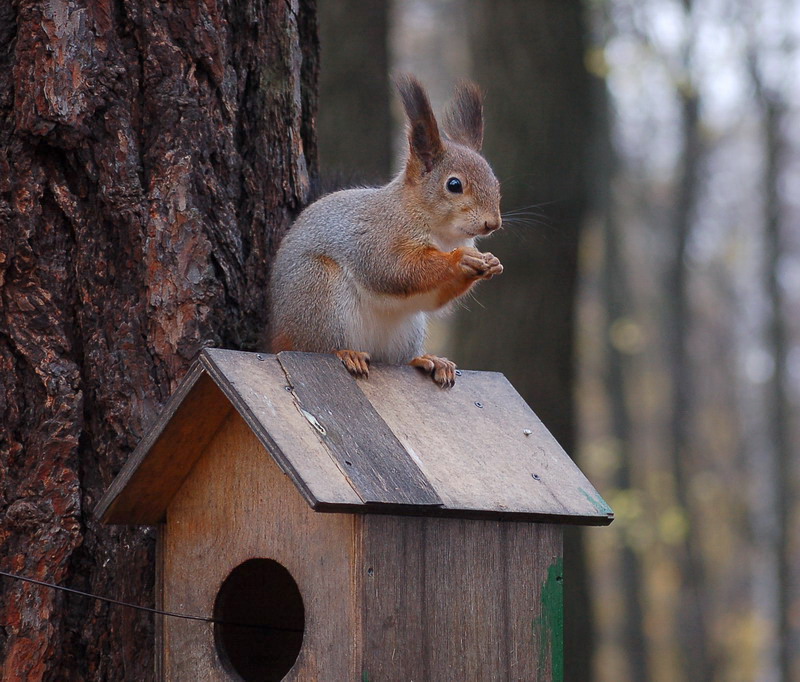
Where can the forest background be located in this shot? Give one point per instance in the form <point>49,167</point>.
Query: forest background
<point>153,153</point>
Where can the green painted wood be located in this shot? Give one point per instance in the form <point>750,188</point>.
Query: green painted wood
<point>549,625</point>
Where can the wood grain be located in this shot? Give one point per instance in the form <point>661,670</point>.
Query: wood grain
<point>454,599</point>
<point>256,384</point>
<point>392,598</point>
<point>482,447</point>
<point>155,470</point>
<point>395,443</point>
<point>368,453</point>
<point>237,505</point>
<point>158,621</point>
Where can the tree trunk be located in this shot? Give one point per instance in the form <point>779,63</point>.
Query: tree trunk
<point>778,399</point>
<point>617,296</point>
<point>355,122</point>
<point>693,629</point>
<point>151,155</point>
<point>528,56</point>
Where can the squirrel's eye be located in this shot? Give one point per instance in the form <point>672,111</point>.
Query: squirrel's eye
<point>454,186</point>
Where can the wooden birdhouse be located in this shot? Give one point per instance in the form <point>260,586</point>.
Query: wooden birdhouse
<point>336,529</point>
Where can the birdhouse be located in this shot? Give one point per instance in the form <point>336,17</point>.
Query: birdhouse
<point>341,529</point>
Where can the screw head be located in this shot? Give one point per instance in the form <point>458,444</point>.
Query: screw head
<point>259,356</point>
<point>527,432</point>
<point>478,404</point>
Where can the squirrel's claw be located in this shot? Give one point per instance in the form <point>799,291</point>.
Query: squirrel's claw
<point>442,370</point>
<point>493,266</point>
<point>480,265</point>
<point>356,362</point>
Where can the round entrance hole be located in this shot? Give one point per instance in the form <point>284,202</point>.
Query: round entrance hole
<point>262,621</point>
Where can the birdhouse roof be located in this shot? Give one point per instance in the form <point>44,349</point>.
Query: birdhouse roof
<point>394,443</point>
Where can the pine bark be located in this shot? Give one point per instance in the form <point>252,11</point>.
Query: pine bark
<point>151,156</point>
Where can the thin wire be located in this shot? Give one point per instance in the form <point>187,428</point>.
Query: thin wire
<point>138,607</point>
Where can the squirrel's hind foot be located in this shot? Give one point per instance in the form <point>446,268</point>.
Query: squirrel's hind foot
<point>442,370</point>
<point>356,361</point>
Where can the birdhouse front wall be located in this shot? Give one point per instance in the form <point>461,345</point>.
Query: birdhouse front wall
<point>237,505</point>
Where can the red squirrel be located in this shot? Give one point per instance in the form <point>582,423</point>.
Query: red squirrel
<point>360,269</point>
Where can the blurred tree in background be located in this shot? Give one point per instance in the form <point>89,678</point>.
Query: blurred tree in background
<point>529,59</point>
<point>354,124</point>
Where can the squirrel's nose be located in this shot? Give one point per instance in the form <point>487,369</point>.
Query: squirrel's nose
<point>492,225</point>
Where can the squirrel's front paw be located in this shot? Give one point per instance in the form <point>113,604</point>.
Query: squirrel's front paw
<point>480,265</point>
<point>356,361</point>
<point>442,370</point>
<point>493,266</point>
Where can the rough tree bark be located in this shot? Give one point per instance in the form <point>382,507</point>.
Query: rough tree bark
<point>529,57</point>
<point>151,155</point>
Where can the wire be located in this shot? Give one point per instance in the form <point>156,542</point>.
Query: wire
<point>138,607</point>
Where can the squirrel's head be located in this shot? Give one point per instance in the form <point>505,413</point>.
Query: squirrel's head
<point>446,174</point>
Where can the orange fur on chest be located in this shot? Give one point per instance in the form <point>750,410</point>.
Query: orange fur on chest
<point>428,269</point>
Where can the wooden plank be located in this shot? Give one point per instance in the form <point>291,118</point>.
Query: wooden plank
<point>256,385</point>
<point>232,509</point>
<point>367,452</point>
<point>451,599</point>
<point>155,470</point>
<point>482,447</point>
<point>413,448</point>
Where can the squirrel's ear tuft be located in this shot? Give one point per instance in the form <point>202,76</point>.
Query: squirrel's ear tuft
<point>423,131</point>
<point>463,118</point>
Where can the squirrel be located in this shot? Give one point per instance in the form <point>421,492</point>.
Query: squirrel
<point>360,269</point>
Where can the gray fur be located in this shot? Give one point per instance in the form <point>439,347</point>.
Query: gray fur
<point>337,280</point>
<point>463,117</point>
